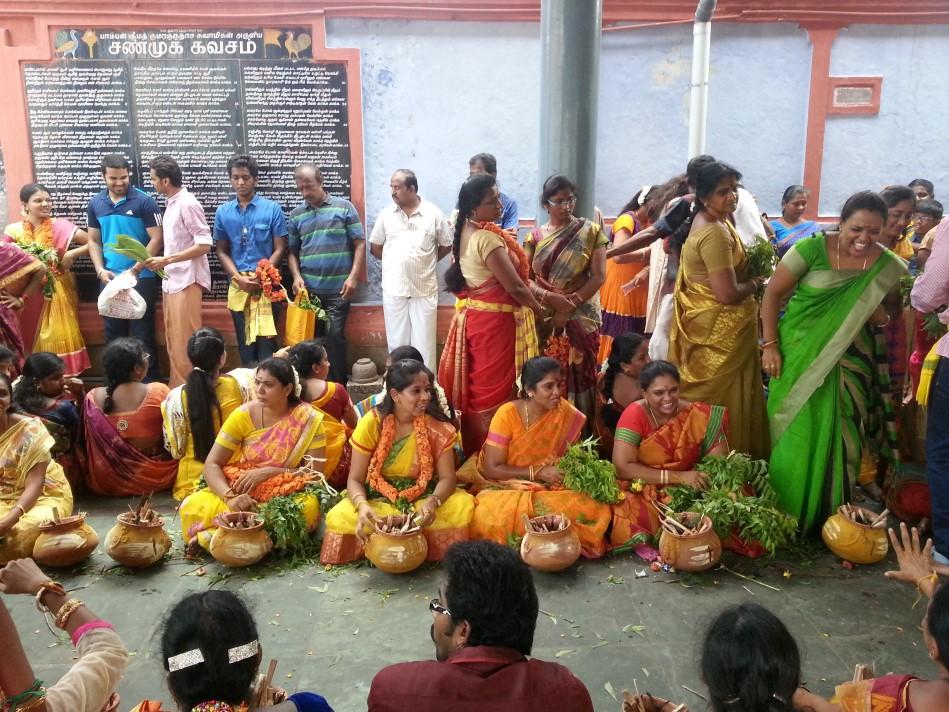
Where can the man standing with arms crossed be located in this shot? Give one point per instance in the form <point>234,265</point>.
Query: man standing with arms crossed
<point>414,235</point>
<point>122,209</point>
<point>187,240</point>
<point>327,257</point>
<point>248,229</point>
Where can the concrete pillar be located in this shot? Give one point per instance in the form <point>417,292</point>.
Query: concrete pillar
<point>570,76</point>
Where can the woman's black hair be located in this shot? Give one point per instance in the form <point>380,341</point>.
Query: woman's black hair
<point>212,622</point>
<point>554,185</point>
<point>652,370</point>
<point>303,357</point>
<point>623,350</point>
<point>535,370</point>
<point>38,366</point>
<point>660,196</point>
<point>6,379</point>
<point>281,369</point>
<point>7,354</point>
<point>472,192</point>
<point>120,358</point>
<point>400,353</point>
<point>31,189</point>
<point>487,585</point>
<point>791,191</point>
<point>205,349</point>
<point>708,178</point>
<point>864,200</point>
<point>750,661</point>
<point>927,184</point>
<point>399,377</point>
<point>937,621</point>
<point>894,194</point>
<point>639,199</point>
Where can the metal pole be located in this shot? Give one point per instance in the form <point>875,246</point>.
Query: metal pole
<point>698,97</point>
<point>570,71</point>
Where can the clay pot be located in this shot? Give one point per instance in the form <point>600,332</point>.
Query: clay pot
<point>396,553</point>
<point>691,552</point>
<point>65,542</point>
<point>551,551</point>
<point>137,545</point>
<point>858,543</point>
<point>364,371</point>
<point>239,547</point>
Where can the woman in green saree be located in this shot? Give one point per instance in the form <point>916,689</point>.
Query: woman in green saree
<point>821,391</point>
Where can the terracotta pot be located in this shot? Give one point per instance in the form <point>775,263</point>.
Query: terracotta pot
<point>691,552</point>
<point>396,553</point>
<point>66,542</point>
<point>239,547</point>
<point>854,542</point>
<point>137,545</point>
<point>551,551</point>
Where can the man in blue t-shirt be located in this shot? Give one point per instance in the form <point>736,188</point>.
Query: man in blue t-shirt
<point>248,229</point>
<point>487,163</point>
<point>122,209</point>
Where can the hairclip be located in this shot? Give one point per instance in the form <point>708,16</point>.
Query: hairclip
<point>185,660</point>
<point>643,192</point>
<point>242,652</point>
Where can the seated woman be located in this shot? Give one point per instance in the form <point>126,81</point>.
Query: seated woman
<point>519,464</point>
<point>312,363</point>
<point>400,353</point>
<point>402,455</point>
<point>659,441</point>
<point>618,385</point>
<point>32,483</point>
<point>256,454</point>
<point>122,426</point>
<point>211,652</point>
<point>45,392</point>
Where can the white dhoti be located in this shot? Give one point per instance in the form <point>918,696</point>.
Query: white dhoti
<point>412,321</point>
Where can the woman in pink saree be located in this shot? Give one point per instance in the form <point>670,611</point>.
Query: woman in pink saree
<point>20,275</point>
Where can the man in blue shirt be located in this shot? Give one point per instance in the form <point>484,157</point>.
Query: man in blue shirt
<point>327,257</point>
<point>487,163</point>
<point>248,229</point>
<point>122,209</point>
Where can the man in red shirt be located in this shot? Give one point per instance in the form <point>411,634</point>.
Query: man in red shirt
<point>483,629</point>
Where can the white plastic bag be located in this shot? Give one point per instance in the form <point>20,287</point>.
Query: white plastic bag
<point>119,300</point>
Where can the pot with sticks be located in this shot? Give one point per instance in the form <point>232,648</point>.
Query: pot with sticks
<point>64,541</point>
<point>240,539</point>
<point>688,541</point>
<point>856,534</point>
<point>397,544</point>
<point>647,703</point>
<point>550,543</point>
<point>138,539</point>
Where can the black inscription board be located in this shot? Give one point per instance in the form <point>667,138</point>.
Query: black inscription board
<point>200,96</point>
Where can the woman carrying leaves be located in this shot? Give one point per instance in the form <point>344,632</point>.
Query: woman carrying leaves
<point>519,460</point>
<point>253,463</point>
<point>402,461</point>
<point>659,441</point>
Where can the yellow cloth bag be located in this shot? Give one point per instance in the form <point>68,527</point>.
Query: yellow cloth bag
<point>301,323</point>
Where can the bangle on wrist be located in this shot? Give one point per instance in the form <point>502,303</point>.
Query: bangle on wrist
<point>438,500</point>
<point>65,613</point>
<point>53,586</point>
<point>20,507</point>
<point>766,344</point>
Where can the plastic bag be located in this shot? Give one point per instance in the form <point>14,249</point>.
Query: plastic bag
<point>301,322</point>
<point>119,300</point>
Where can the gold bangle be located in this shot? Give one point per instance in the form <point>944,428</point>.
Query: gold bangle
<point>530,472</point>
<point>356,498</point>
<point>766,344</point>
<point>53,586</point>
<point>65,613</point>
<point>20,507</point>
<point>34,704</point>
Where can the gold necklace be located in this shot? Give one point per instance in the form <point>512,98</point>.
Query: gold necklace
<point>652,416</point>
<point>865,259</point>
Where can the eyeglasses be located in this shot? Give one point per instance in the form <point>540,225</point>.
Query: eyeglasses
<point>568,203</point>
<point>435,606</point>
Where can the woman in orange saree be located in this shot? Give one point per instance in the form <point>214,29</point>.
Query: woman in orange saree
<point>517,468</point>
<point>492,333</point>
<point>659,441</point>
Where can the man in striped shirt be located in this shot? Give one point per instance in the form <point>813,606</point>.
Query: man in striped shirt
<point>327,257</point>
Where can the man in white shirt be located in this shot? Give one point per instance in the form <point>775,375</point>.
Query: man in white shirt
<point>415,236</point>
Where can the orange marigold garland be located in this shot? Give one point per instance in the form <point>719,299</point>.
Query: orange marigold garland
<point>523,269</point>
<point>558,347</point>
<point>275,486</point>
<point>375,478</point>
<point>270,282</point>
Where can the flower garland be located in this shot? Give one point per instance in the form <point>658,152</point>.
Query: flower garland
<point>276,486</point>
<point>523,267</point>
<point>218,706</point>
<point>375,478</point>
<point>38,242</point>
<point>270,282</point>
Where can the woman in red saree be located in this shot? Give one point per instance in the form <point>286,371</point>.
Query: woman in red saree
<point>20,275</point>
<point>492,333</point>
<point>659,441</point>
<point>122,427</point>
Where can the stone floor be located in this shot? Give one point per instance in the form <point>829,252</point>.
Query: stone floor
<point>332,630</point>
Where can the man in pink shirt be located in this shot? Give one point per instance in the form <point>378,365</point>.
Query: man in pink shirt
<point>931,293</point>
<point>187,240</point>
<point>483,628</point>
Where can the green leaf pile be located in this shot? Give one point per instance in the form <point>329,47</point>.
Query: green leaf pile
<point>762,259</point>
<point>313,304</point>
<point>583,471</point>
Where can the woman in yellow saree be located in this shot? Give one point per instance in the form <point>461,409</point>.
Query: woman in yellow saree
<point>255,456</point>
<point>714,336</point>
<point>517,472</point>
<point>659,441</point>
<point>32,483</point>
<point>403,461</point>
<point>312,364</point>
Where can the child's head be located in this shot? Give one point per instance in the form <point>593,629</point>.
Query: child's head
<point>927,215</point>
<point>7,361</point>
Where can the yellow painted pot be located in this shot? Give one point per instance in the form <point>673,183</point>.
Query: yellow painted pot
<point>137,545</point>
<point>858,543</point>
<point>551,551</point>
<point>239,547</point>
<point>396,553</point>
<point>66,542</point>
<point>691,552</point>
